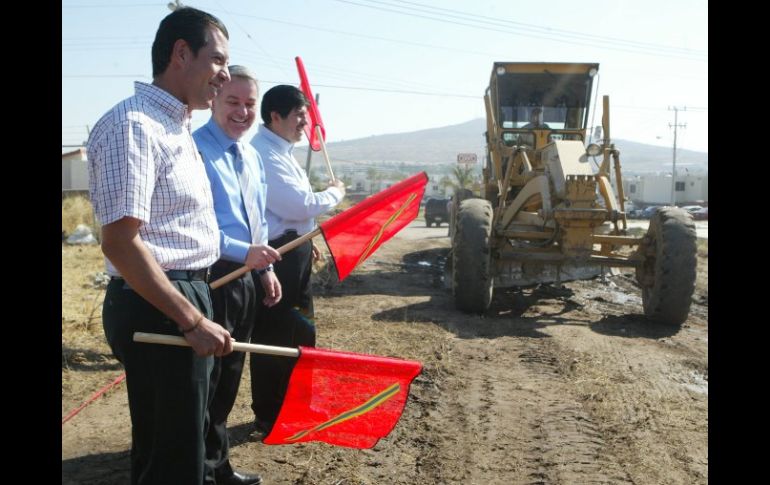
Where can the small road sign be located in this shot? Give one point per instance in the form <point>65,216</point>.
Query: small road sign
<point>466,158</point>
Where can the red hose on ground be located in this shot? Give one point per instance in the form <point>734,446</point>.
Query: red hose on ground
<point>93,398</point>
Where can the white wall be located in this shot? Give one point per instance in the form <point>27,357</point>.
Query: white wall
<point>656,188</point>
<point>74,175</point>
<point>434,189</point>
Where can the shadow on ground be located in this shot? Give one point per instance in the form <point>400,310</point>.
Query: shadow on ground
<point>514,312</point>
<point>633,326</point>
<point>418,273</point>
<point>98,469</point>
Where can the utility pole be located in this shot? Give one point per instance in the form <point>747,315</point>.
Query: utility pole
<point>673,171</point>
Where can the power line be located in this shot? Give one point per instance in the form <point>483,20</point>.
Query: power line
<point>103,37</point>
<point>655,108</point>
<point>366,36</point>
<point>362,88</point>
<point>103,48</point>
<point>402,91</point>
<point>587,42</point>
<point>350,75</point>
<point>398,91</point>
<point>113,5</point>
<point>538,28</point>
<point>106,41</point>
<point>134,76</point>
<point>267,81</point>
<point>234,18</point>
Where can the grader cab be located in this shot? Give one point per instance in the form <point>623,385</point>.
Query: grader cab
<point>548,209</point>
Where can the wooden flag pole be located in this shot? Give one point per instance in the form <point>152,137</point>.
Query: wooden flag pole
<point>309,148</point>
<point>326,154</point>
<point>283,249</point>
<point>156,338</point>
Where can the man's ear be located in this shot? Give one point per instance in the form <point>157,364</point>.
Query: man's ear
<point>274,116</point>
<point>181,52</point>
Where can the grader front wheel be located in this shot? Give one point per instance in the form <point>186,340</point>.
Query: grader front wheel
<point>471,256</point>
<point>667,276</point>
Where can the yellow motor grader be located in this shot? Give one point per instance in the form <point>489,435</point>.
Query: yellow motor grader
<point>549,210</point>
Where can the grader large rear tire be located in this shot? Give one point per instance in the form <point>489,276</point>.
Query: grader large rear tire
<point>667,276</point>
<point>471,257</point>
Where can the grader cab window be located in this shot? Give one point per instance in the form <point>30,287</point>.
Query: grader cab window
<point>562,99</point>
<point>556,117</point>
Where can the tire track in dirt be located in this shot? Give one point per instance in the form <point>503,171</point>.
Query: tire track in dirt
<point>572,445</point>
<point>519,420</point>
<point>645,384</point>
<point>638,389</point>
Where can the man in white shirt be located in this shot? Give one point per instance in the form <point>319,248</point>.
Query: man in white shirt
<point>292,207</point>
<point>159,237</point>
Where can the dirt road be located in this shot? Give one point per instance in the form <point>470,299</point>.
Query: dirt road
<point>551,386</point>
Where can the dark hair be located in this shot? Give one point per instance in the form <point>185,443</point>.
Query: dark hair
<point>188,24</point>
<point>282,99</point>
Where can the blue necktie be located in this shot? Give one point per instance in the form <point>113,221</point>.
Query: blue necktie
<point>248,192</point>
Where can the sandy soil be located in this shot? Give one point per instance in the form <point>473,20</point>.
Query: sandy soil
<point>551,386</point>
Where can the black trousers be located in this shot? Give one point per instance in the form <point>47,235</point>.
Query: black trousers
<point>167,386</point>
<point>287,324</point>
<point>235,306</point>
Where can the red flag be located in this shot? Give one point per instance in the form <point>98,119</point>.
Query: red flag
<point>315,115</point>
<point>343,398</point>
<point>353,235</point>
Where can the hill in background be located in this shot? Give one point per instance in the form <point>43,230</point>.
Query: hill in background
<point>440,146</point>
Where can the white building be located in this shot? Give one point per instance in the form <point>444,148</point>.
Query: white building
<point>656,189</point>
<point>434,188</point>
<point>361,183</point>
<point>74,171</point>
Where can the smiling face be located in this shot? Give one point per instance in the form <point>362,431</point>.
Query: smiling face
<point>207,72</point>
<point>235,107</point>
<point>292,127</point>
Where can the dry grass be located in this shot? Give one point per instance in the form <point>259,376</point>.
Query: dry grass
<point>81,302</point>
<point>76,210</point>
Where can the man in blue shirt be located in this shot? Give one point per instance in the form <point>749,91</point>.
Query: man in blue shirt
<point>238,184</point>
<point>292,207</point>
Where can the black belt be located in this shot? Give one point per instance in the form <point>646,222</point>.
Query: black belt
<point>183,274</point>
<point>189,274</point>
<point>223,267</point>
<point>284,238</point>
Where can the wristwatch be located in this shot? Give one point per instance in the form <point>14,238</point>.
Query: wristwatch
<point>264,270</point>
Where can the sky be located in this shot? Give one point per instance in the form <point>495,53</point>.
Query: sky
<point>391,66</point>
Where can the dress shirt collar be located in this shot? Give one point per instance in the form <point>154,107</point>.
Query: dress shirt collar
<point>283,145</point>
<point>165,101</point>
<point>220,137</point>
